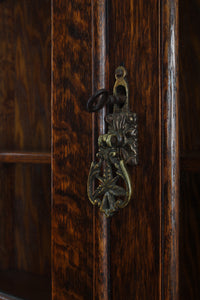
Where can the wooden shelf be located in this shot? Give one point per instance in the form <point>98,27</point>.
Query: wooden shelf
<point>23,285</point>
<point>25,157</point>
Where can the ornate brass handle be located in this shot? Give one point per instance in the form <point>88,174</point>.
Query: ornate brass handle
<point>109,184</point>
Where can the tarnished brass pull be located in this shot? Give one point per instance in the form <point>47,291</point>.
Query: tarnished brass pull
<point>109,184</point>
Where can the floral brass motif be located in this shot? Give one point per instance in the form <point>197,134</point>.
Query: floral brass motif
<point>109,184</point>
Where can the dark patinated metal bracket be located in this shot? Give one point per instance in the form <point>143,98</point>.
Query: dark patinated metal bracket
<point>109,184</point>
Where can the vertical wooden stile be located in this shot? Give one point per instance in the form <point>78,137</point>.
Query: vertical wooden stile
<point>100,75</point>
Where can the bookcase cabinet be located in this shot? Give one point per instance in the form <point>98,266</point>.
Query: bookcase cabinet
<point>54,245</point>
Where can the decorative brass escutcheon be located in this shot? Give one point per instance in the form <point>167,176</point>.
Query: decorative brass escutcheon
<point>109,184</point>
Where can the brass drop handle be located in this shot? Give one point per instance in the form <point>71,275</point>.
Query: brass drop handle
<point>109,184</point>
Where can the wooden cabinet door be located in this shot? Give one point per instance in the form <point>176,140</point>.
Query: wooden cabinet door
<point>53,243</point>
<point>133,254</point>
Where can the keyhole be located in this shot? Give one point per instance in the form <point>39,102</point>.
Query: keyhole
<point>121,91</point>
<point>121,95</point>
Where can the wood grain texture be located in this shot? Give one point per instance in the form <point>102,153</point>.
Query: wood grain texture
<point>100,77</point>
<point>189,235</point>
<point>7,74</point>
<point>33,74</point>
<point>135,230</point>
<point>24,285</point>
<point>189,76</point>
<point>190,149</point>
<point>25,75</point>
<point>32,218</point>
<point>170,149</point>
<point>6,216</point>
<point>72,237</point>
<point>24,125</point>
<point>190,162</point>
<point>25,157</point>
<point>25,222</point>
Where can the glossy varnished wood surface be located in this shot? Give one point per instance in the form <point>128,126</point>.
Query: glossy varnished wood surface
<point>90,39</point>
<point>143,236</point>
<point>190,162</point>
<point>100,77</point>
<point>25,222</point>
<point>190,149</point>
<point>189,77</point>
<point>135,230</point>
<point>4,296</point>
<point>6,216</point>
<point>170,150</point>
<point>25,157</point>
<point>7,74</point>
<point>32,209</point>
<point>139,269</point>
<point>25,75</point>
<point>189,235</point>
<point>25,125</point>
<point>30,213</point>
<point>72,214</point>
<point>33,75</point>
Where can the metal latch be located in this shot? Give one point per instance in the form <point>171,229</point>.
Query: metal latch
<point>109,184</point>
